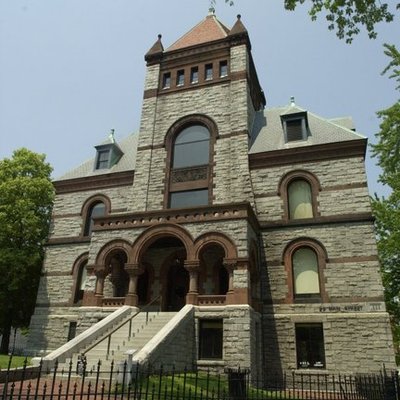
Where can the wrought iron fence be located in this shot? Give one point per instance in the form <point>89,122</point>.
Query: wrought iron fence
<point>126,381</point>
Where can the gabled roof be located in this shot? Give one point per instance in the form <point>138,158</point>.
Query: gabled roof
<point>268,131</point>
<point>208,30</point>
<point>126,163</point>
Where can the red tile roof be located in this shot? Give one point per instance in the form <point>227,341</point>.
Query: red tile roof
<point>208,30</point>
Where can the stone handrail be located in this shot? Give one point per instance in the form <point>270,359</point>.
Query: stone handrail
<point>84,339</point>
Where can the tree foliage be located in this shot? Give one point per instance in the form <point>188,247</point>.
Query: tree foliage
<point>26,196</point>
<point>387,210</point>
<point>346,17</point>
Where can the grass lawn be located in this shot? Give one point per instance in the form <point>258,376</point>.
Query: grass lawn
<point>17,361</point>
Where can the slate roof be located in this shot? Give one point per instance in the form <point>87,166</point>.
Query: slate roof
<point>207,30</point>
<point>268,134</point>
<point>127,162</point>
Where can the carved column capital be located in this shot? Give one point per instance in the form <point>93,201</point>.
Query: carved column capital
<point>192,265</point>
<point>99,270</point>
<point>133,269</point>
<point>230,264</point>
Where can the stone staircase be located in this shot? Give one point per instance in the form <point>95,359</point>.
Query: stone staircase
<point>113,346</point>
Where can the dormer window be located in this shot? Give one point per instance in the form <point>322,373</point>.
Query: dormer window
<point>103,159</point>
<point>295,127</point>
<point>107,155</point>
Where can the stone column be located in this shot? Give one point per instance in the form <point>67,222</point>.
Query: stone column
<point>100,272</point>
<point>193,268</point>
<point>133,271</point>
<point>230,266</point>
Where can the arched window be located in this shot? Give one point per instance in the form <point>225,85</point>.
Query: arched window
<point>305,272</point>
<point>299,190</point>
<point>192,147</point>
<point>305,261</point>
<point>189,164</point>
<point>300,199</point>
<point>97,209</point>
<point>79,273</point>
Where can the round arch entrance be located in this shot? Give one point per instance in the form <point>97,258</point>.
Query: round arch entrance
<point>170,284</point>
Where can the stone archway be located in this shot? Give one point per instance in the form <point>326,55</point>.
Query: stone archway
<point>164,250</point>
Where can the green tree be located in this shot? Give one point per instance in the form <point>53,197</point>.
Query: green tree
<point>26,197</point>
<point>346,17</point>
<point>387,210</point>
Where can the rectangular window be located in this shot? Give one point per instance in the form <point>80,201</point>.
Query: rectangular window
<point>103,158</point>
<point>180,78</point>
<point>166,83</point>
<point>310,346</point>
<point>295,129</point>
<point>71,330</point>
<point>189,198</point>
<point>210,339</point>
<point>194,75</point>
<point>223,69</point>
<point>208,72</point>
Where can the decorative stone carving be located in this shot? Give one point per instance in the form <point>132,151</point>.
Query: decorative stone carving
<point>189,174</point>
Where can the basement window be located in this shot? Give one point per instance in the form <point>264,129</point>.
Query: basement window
<point>310,346</point>
<point>210,339</point>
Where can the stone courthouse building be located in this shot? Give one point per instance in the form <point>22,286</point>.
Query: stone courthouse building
<point>251,224</point>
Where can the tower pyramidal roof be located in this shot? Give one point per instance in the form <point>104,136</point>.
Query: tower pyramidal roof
<point>207,30</point>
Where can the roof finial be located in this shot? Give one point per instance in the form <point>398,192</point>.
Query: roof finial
<point>211,9</point>
<point>292,102</point>
<point>239,16</point>
<point>159,36</point>
<point>111,136</point>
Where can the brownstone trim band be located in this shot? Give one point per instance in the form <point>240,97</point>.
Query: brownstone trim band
<point>238,76</point>
<point>70,215</point>
<point>68,240</point>
<point>354,185</point>
<point>337,260</point>
<point>235,133</point>
<point>319,152</point>
<point>344,260</point>
<point>331,219</point>
<point>110,180</point>
<point>151,147</point>
<point>55,273</point>
<point>149,93</point>
<point>52,304</point>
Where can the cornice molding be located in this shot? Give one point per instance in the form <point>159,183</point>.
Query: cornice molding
<point>110,180</point>
<point>318,152</point>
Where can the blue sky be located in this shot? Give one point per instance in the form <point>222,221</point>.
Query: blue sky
<point>70,70</point>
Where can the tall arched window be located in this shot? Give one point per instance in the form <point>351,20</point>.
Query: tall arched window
<point>305,272</point>
<point>300,199</point>
<point>299,191</point>
<point>189,173</point>
<point>80,282</point>
<point>97,209</point>
<point>305,261</point>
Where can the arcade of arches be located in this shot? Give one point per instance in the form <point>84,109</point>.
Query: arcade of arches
<point>167,268</point>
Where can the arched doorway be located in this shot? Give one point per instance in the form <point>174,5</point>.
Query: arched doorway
<point>169,281</point>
